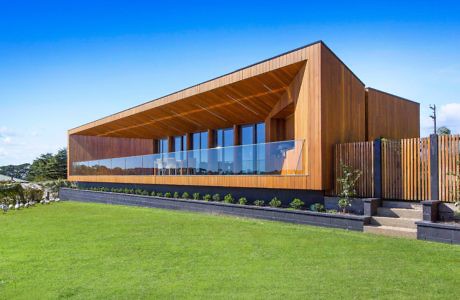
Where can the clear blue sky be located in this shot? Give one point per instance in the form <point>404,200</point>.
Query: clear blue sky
<point>64,63</point>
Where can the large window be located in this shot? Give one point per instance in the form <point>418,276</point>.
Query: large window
<point>225,138</point>
<point>199,155</point>
<point>252,153</point>
<point>180,145</point>
<point>163,145</point>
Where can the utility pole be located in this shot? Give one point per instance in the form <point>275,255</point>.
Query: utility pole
<point>433,115</point>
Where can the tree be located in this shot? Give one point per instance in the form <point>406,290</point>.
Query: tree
<point>49,167</point>
<point>443,130</point>
<point>16,171</point>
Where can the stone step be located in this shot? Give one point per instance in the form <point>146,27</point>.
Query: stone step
<point>391,231</point>
<point>400,213</point>
<point>394,222</point>
<point>402,204</point>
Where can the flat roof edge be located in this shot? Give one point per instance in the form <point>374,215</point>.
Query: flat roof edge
<point>392,95</point>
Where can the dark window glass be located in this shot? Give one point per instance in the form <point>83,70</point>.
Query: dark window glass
<point>163,145</point>
<point>260,133</point>
<point>204,140</point>
<point>247,134</point>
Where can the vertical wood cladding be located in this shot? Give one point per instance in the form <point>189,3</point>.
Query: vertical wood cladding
<point>83,148</point>
<point>343,110</point>
<point>391,116</point>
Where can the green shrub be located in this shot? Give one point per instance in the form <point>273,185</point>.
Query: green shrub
<point>275,202</point>
<point>242,201</point>
<point>347,183</point>
<point>32,194</point>
<point>113,190</point>
<point>317,207</point>
<point>259,202</point>
<point>343,203</point>
<point>296,203</point>
<point>176,195</point>
<point>138,192</point>
<point>331,211</point>
<point>207,197</point>
<point>159,194</point>
<point>196,196</point>
<point>145,193</point>
<point>216,197</point>
<point>126,191</point>
<point>131,191</point>
<point>168,195</point>
<point>228,198</point>
<point>153,193</point>
<point>185,195</point>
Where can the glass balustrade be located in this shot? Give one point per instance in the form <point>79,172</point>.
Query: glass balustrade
<point>277,158</point>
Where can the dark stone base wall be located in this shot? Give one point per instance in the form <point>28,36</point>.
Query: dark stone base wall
<point>438,232</point>
<point>350,222</point>
<point>251,194</point>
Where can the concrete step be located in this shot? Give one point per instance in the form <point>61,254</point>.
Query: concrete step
<point>400,213</point>
<point>401,204</point>
<point>391,231</point>
<point>394,222</point>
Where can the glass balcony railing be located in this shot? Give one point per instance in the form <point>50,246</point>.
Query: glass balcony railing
<point>277,158</point>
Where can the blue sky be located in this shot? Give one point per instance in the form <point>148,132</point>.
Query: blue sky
<point>66,63</point>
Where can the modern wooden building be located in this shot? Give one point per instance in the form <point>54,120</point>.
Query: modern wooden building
<point>268,126</point>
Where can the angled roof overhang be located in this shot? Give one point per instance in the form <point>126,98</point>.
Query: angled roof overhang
<point>244,96</point>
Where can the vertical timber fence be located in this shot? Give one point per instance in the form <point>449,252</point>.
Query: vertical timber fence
<point>409,169</point>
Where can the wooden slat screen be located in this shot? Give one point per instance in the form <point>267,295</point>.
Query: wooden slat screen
<point>448,156</point>
<point>406,169</point>
<point>359,156</point>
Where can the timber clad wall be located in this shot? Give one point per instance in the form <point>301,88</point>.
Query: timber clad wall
<point>391,117</point>
<point>84,148</point>
<point>307,94</point>
<point>342,110</point>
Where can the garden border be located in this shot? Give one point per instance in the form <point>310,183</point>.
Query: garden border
<point>438,232</point>
<point>349,222</point>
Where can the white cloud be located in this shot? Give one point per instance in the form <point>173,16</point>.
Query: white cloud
<point>3,152</point>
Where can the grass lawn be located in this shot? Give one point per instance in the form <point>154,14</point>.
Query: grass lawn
<point>85,251</point>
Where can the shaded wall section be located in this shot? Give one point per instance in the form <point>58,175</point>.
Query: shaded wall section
<point>390,116</point>
<point>83,148</point>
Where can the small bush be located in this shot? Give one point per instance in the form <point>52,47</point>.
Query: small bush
<point>126,191</point>
<point>168,195</point>
<point>185,195</point>
<point>113,190</point>
<point>31,194</point>
<point>275,202</point>
<point>344,203</point>
<point>331,211</point>
<point>228,198</point>
<point>138,192</point>
<point>153,193</point>
<point>216,197</point>
<point>159,194</point>
<point>196,196</point>
<point>296,203</point>
<point>207,197</point>
<point>145,193</point>
<point>259,202</point>
<point>317,207</point>
<point>176,195</point>
<point>131,191</point>
<point>242,201</point>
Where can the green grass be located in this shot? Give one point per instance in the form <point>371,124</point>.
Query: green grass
<point>86,251</point>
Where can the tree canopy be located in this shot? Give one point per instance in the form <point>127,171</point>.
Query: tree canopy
<point>47,166</point>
